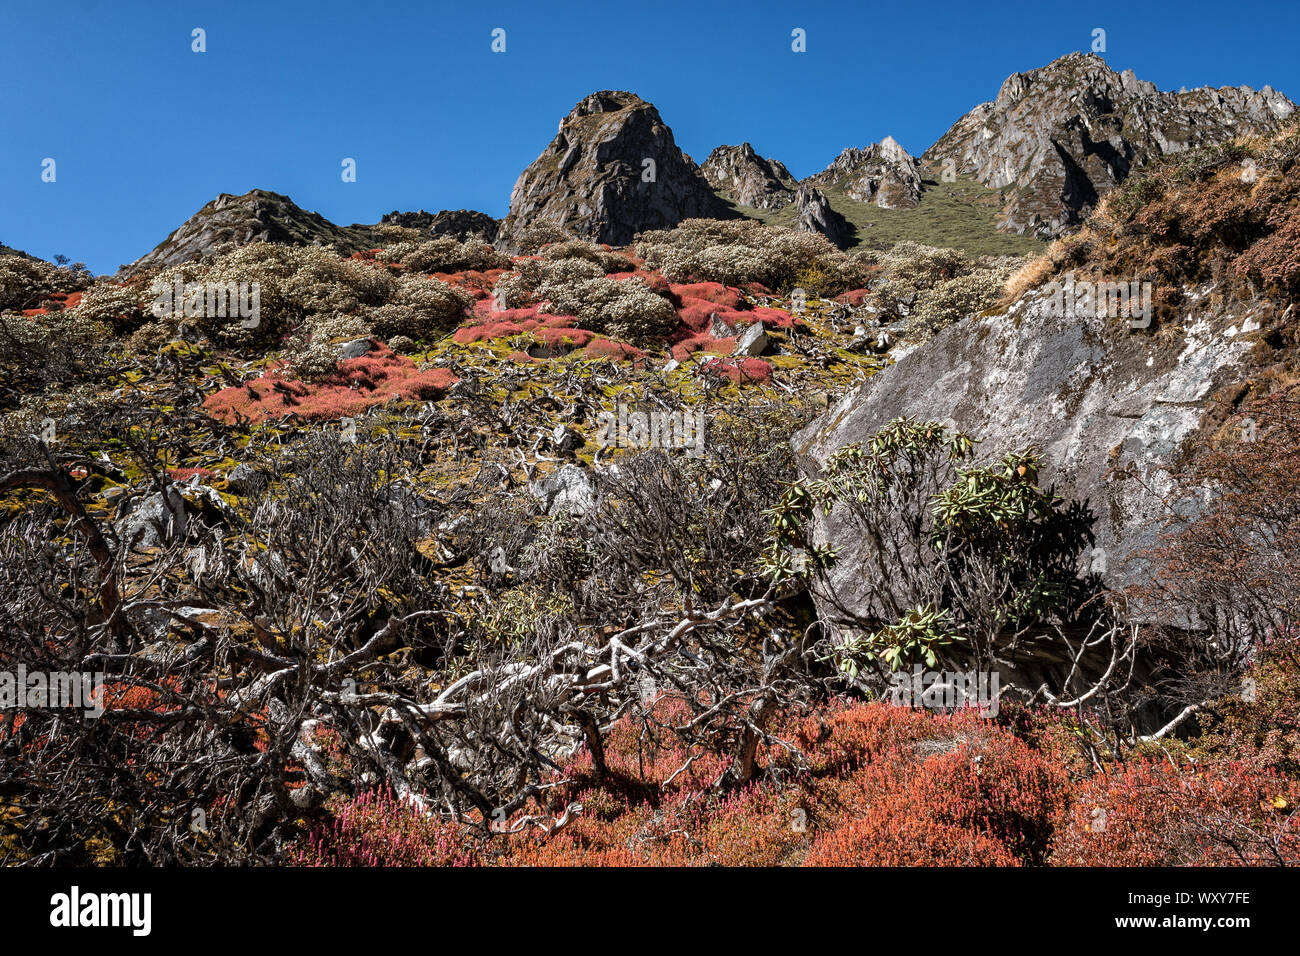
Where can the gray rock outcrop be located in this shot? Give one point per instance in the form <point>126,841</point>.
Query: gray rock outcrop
<point>816,215</point>
<point>748,179</point>
<point>1059,138</point>
<point>884,173</point>
<point>613,170</point>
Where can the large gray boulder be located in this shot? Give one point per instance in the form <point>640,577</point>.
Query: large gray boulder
<point>816,215</point>
<point>1108,406</point>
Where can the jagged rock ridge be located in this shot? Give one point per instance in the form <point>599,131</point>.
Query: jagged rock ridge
<point>884,173</point>
<point>456,223</point>
<point>613,170</point>
<point>748,179</point>
<point>1058,138</point>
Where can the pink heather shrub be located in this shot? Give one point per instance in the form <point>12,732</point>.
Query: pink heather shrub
<point>356,385</point>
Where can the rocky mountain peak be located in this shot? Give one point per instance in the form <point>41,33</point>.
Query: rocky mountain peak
<point>612,170</point>
<point>884,173</point>
<point>255,216</point>
<point>1058,138</point>
<point>746,178</point>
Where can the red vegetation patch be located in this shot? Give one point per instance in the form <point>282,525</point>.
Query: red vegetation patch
<point>1153,814</point>
<point>618,351</point>
<point>887,837</point>
<point>184,474</point>
<point>777,318</point>
<point>655,281</point>
<point>476,283</point>
<point>486,332</point>
<point>872,784</point>
<point>697,315</point>
<point>379,830</point>
<point>357,385</point>
<point>740,370</point>
<point>715,292</point>
<point>703,342</point>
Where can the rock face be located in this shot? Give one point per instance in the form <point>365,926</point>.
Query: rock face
<point>465,224</point>
<point>613,170</point>
<point>816,215</point>
<point>884,173</point>
<point>256,216</point>
<point>1058,138</point>
<point>1107,406</point>
<point>457,223</point>
<point>748,179</point>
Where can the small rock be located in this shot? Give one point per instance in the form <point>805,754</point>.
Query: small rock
<point>244,479</point>
<point>565,439</point>
<point>720,329</point>
<point>568,489</point>
<point>354,349</point>
<point>753,342</point>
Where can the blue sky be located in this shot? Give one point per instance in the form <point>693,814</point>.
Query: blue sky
<point>144,131</point>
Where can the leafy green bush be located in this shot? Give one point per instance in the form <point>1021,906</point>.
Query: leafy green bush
<point>953,559</point>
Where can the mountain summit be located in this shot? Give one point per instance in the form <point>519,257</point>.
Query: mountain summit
<point>748,179</point>
<point>256,216</point>
<point>613,170</point>
<point>1058,138</point>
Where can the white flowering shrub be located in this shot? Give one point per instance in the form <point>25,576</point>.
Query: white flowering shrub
<point>25,283</point>
<point>736,252</point>
<point>606,259</point>
<point>119,307</point>
<point>627,310</point>
<point>533,237</point>
<point>444,254</point>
